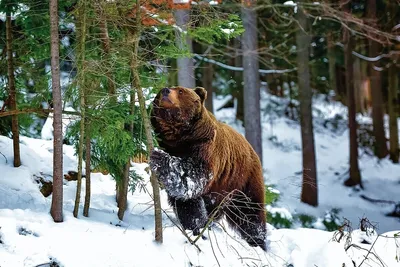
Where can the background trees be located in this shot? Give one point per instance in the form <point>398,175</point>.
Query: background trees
<point>123,52</point>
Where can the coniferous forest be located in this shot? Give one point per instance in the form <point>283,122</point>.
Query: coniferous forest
<point>312,86</point>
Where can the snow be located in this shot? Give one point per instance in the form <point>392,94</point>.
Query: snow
<point>47,130</point>
<point>292,4</point>
<point>29,237</point>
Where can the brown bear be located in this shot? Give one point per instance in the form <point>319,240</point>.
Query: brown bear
<point>206,166</point>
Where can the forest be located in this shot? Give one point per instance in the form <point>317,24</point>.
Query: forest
<point>312,85</point>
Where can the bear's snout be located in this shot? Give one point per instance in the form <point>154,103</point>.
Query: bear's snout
<point>165,91</point>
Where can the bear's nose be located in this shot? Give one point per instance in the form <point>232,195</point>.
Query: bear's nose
<point>165,91</point>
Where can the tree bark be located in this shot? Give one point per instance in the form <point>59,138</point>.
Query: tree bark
<point>393,105</point>
<point>208,76</point>
<point>332,65</point>
<point>123,193</point>
<point>376,89</point>
<point>309,192</point>
<point>251,78</point>
<point>87,172</point>
<point>185,64</point>
<point>355,176</point>
<point>147,125</point>
<point>56,210</point>
<point>81,86</point>
<point>12,91</point>
<point>239,80</point>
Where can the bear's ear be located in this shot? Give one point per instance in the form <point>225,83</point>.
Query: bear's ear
<point>200,91</point>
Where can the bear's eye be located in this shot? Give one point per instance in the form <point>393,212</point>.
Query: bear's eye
<point>180,92</point>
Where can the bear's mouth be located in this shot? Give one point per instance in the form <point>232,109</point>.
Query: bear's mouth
<point>166,102</point>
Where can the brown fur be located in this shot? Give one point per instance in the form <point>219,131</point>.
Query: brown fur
<point>186,129</point>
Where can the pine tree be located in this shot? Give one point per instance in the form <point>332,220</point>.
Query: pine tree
<point>57,199</point>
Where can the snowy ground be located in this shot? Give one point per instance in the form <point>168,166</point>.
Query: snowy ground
<point>28,237</point>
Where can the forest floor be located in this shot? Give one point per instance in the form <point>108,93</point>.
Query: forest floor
<point>28,236</point>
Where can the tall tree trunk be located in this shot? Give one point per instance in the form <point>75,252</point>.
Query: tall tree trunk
<point>208,76</point>
<point>81,85</point>
<point>252,116</point>
<point>185,64</point>
<point>332,65</point>
<point>355,176</point>
<point>376,89</point>
<point>105,40</point>
<point>147,125</point>
<point>123,194</point>
<point>239,80</point>
<point>358,86</point>
<point>12,91</point>
<point>309,192</point>
<point>393,105</point>
<point>56,210</point>
<point>87,172</point>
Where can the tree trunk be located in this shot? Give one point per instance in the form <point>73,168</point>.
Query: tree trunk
<point>123,193</point>
<point>332,65</point>
<point>147,126</point>
<point>239,80</point>
<point>376,89</point>
<point>309,192</point>
<point>355,176</point>
<point>252,116</point>
<point>56,210</point>
<point>185,64</point>
<point>153,178</point>
<point>105,40</point>
<point>357,86</point>
<point>12,91</point>
<point>393,105</point>
<point>208,76</point>
<point>88,169</point>
<point>81,86</point>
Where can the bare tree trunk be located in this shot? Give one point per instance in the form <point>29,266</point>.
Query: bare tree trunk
<point>393,113</point>
<point>252,116</point>
<point>185,64</point>
<point>123,191</point>
<point>56,210</point>
<point>239,80</point>
<point>309,192</point>
<point>332,65</point>
<point>12,91</point>
<point>87,172</point>
<point>153,178</point>
<point>147,126</point>
<point>208,76</point>
<point>376,88</point>
<point>81,85</point>
<point>355,176</point>
<point>123,194</point>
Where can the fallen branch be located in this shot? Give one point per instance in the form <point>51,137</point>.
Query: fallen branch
<point>4,157</point>
<point>378,200</point>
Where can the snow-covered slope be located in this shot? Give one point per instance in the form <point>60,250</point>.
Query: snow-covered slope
<point>28,236</point>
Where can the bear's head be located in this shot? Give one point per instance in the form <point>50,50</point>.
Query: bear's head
<point>179,104</point>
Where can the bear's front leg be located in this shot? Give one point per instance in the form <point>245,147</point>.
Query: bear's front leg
<point>191,213</point>
<point>183,178</point>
